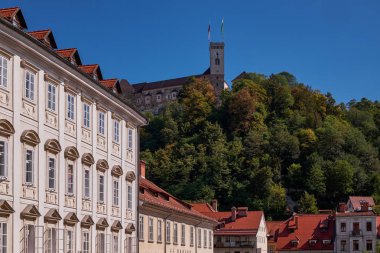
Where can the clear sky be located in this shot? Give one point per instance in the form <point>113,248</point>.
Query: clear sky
<point>331,45</point>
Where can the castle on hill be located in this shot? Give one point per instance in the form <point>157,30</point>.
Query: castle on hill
<point>153,96</point>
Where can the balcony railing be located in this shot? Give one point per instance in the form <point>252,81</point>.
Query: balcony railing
<point>357,232</point>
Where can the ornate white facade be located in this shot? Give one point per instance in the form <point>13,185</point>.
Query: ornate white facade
<point>68,155</point>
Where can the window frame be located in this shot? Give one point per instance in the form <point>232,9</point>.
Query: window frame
<point>51,98</point>
<point>141,228</point>
<point>31,162</point>
<point>101,123</point>
<point>199,238</point>
<point>86,234</point>
<point>86,170</point>
<point>4,233</point>
<point>52,239</point>
<point>86,116</point>
<point>5,154</point>
<point>130,138</point>
<point>69,247</point>
<point>70,106</point>
<point>129,196</point>
<point>3,71</point>
<point>183,234</point>
<point>70,185</point>
<point>159,230</point>
<point>191,236</point>
<point>168,236</point>
<point>116,131</point>
<point>101,188</point>
<point>115,192</point>
<point>29,92</point>
<point>150,230</point>
<point>54,176</point>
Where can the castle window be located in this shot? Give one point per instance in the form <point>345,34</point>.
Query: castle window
<point>174,95</point>
<point>217,61</point>
<point>147,100</point>
<point>158,97</point>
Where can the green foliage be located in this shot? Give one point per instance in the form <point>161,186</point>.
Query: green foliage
<point>266,137</point>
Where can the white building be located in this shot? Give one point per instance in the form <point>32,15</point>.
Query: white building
<point>356,229</point>
<point>68,150</point>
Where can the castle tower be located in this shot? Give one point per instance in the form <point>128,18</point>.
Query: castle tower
<point>217,65</point>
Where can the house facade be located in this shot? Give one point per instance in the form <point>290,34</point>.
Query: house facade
<point>68,149</point>
<point>169,225</point>
<point>356,227</point>
<point>238,231</point>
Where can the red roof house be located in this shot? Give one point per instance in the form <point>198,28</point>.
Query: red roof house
<point>360,203</point>
<point>306,232</point>
<point>45,37</point>
<point>14,15</point>
<point>92,70</point>
<point>70,54</point>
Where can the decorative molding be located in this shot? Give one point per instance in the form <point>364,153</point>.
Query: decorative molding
<point>87,221</point>
<point>71,153</point>
<point>5,209</point>
<point>116,226</point>
<point>102,224</point>
<point>30,137</point>
<point>71,219</point>
<point>52,216</point>
<point>53,146</point>
<point>130,228</point>
<point>102,165</point>
<point>25,64</point>
<point>6,128</point>
<point>131,176</point>
<point>30,212</point>
<point>88,159</point>
<point>116,171</point>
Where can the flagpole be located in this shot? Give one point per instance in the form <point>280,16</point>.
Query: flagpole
<point>209,31</point>
<point>222,29</point>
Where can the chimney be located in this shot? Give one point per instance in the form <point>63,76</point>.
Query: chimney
<point>233,213</point>
<point>242,211</point>
<point>142,168</point>
<point>342,207</point>
<point>214,204</point>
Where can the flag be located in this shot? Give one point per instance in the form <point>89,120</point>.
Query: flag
<point>222,27</point>
<point>209,32</point>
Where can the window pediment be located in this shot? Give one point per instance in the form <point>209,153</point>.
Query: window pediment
<point>116,171</point>
<point>88,159</point>
<point>102,224</point>
<point>130,228</point>
<point>71,153</point>
<point>6,128</point>
<point>102,165</point>
<point>52,216</point>
<point>131,176</point>
<point>53,146</point>
<point>30,212</point>
<point>116,226</point>
<point>87,221</point>
<point>30,137</point>
<point>71,219</point>
<point>5,209</point>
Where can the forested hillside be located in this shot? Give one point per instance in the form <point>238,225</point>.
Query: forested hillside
<point>269,136</point>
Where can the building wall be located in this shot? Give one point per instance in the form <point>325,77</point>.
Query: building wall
<point>76,143</point>
<point>362,237</point>
<point>306,251</point>
<point>150,243</point>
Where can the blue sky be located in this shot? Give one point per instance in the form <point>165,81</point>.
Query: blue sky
<point>331,45</point>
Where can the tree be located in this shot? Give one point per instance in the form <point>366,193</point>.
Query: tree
<point>307,204</point>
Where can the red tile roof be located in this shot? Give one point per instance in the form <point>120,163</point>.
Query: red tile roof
<point>154,195</point>
<point>44,36</point>
<point>272,229</point>
<point>369,213</point>
<point>357,201</point>
<point>91,70</point>
<point>109,83</point>
<point>301,228</point>
<point>10,13</point>
<point>203,207</point>
<point>70,54</point>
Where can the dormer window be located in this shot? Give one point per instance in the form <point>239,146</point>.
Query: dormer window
<point>312,242</point>
<point>294,243</point>
<point>326,242</point>
<point>95,77</point>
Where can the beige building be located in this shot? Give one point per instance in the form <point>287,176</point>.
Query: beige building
<point>68,149</point>
<point>169,225</point>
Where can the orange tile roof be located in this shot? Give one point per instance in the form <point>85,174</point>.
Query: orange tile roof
<point>154,195</point>
<point>91,69</point>
<point>357,200</point>
<point>203,207</point>
<point>109,83</point>
<point>66,53</point>
<point>10,13</point>
<point>44,36</point>
<point>341,214</point>
<point>301,228</point>
<point>272,229</point>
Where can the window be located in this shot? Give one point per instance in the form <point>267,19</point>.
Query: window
<point>199,237</point>
<point>30,235</point>
<point>175,233</point>
<point>343,245</point>
<point>29,85</point>
<point>51,91</point>
<point>141,228</point>
<point>86,242</point>
<point>115,192</point>
<point>168,232</point>
<point>150,228</point>
<point>116,131</point>
<point>101,247</point>
<point>101,123</point>
<point>3,159</point>
<point>369,226</point>
<point>86,183</point>
<point>204,238</point>
<point>3,237</point>
<point>209,239</point>
<point>130,138</point>
<point>101,188</point>
<point>174,95</point>
<point>69,241</point>
<point>159,231</point>
<point>129,192</point>
<point>29,167</point>
<point>51,176</point>
<point>147,100</point>
<point>355,245</point>
<point>369,245</point>
<point>70,107</point>
<point>3,72</point>
<point>343,227</point>
<point>183,234</point>
<point>51,240</point>
<point>86,115</point>
<point>191,236</point>
<point>70,179</point>
<point>115,244</point>
<point>158,97</point>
